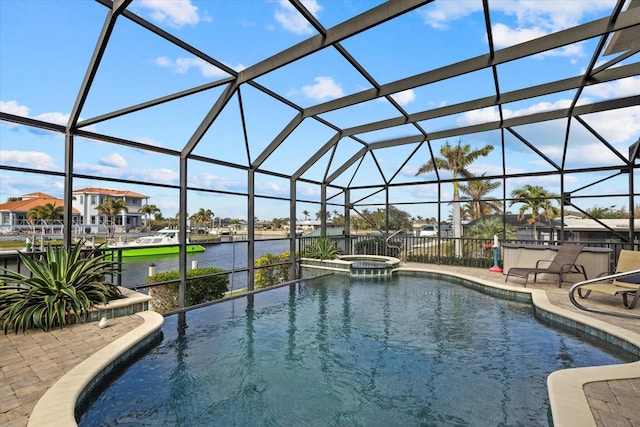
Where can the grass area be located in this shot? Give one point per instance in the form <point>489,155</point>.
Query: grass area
<point>7,245</point>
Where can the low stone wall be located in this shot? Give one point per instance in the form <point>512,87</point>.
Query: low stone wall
<point>133,302</point>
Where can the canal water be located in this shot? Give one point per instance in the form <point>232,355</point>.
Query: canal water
<point>225,255</point>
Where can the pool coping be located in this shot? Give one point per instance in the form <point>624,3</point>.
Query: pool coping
<point>569,404</point>
<point>58,405</point>
<point>568,401</point>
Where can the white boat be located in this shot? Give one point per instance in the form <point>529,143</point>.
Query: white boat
<point>163,242</point>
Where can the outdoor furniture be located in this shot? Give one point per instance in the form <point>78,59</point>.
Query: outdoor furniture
<point>626,286</point>
<point>562,264</point>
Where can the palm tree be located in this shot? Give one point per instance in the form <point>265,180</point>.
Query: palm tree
<point>46,211</point>
<point>149,210</point>
<point>111,208</point>
<point>306,215</point>
<point>202,217</point>
<point>536,200</point>
<point>479,205</point>
<point>455,159</point>
<point>487,228</point>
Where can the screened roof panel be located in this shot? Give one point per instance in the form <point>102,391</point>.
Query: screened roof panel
<point>390,134</point>
<point>178,118</point>
<point>478,84</point>
<point>361,114</point>
<point>204,175</point>
<point>523,155</point>
<point>236,33</point>
<point>291,78</point>
<point>331,77</point>
<point>428,36</point>
<point>149,69</point>
<point>617,127</point>
<point>225,140</point>
<point>393,160</point>
<point>264,118</point>
<point>295,150</point>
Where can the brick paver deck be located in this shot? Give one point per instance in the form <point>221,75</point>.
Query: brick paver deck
<point>31,362</point>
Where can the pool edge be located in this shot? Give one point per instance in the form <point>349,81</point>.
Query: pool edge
<point>568,401</point>
<point>57,406</point>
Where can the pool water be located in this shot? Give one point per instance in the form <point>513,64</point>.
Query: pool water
<point>406,351</point>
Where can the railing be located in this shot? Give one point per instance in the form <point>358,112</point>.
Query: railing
<point>441,250</point>
<point>408,248</point>
<point>576,287</point>
<point>389,240</point>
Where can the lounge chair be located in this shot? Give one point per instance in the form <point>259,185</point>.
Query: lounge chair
<point>562,264</point>
<point>626,286</point>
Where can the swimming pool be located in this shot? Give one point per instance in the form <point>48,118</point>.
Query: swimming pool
<point>406,351</point>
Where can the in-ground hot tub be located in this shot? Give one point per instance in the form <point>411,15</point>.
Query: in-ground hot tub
<point>369,266</point>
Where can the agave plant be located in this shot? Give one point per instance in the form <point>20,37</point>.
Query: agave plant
<point>61,283</point>
<point>322,248</point>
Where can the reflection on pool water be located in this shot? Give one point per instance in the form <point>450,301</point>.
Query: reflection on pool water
<point>407,351</point>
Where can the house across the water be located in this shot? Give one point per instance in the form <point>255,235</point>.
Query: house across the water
<point>14,214</point>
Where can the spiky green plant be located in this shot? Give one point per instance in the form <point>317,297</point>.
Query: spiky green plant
<point>61,283</point>
<point>322,248</point>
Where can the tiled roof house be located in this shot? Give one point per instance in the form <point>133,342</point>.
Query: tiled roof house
<point>86,200</point>
<point>14,214</point>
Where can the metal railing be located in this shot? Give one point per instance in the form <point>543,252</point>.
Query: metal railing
<point>576,287</point>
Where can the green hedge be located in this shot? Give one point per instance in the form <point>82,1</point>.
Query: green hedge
<point>452,260</point>
<point>199,289</point>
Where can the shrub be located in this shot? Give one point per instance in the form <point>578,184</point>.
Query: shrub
<point>199,289</point>
<point>322,248</point>
<point>451,260</point>
<point>62,284</point>
<point>268,274</point>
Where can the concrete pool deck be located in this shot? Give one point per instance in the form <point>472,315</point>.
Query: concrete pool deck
<point>42,373</point>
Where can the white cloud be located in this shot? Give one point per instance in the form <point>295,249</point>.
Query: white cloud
<point>308,190</point>
<point>12,107</point>
<point>207,180</point>
<point>404,97</point>
<point>175,13</point>
<point>507,36</point>
<point>291,20</point>
<point>183,65</point>
<point>162,175</point>
<point>269,188</point>
<point>325,88</point>
<point>620,88</point>
<point>31,159</point>
<point>57,118</point>
<point>617,127</point>
<point>483,115</point>
<point>532,18</point>
<point>440,13</point>
<point>114,160</point>
<point>159,175</point>
<point>490,114</point>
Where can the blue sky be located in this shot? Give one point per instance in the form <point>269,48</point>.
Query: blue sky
<point>46,45</point>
